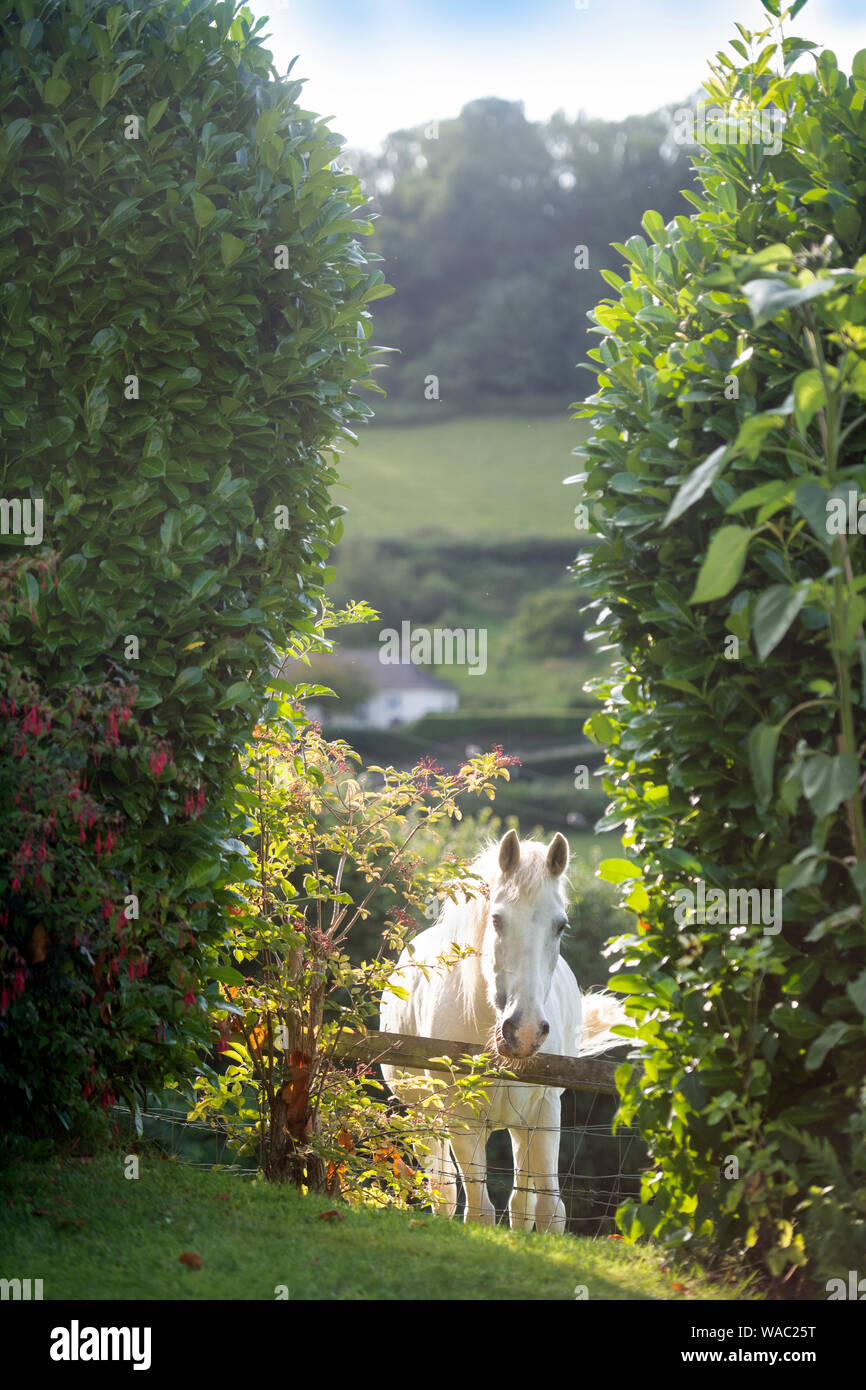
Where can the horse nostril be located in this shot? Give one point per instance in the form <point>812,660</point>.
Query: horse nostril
<point>544,1030</point>
<point>509,1029</point>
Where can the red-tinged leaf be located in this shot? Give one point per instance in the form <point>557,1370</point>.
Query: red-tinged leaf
<point>332,1215</point>
<point>190,1260</point>
<point>679,1288</point>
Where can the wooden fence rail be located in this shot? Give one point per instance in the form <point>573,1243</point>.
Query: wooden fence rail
<point>415,1054</point>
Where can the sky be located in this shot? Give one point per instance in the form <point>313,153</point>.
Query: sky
<point>382,65</point>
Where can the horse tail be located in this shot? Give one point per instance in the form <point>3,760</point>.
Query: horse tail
<point>602,1011</point>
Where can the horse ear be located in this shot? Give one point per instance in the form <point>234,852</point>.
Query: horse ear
<point>557,855</point>
<point>509,852</point>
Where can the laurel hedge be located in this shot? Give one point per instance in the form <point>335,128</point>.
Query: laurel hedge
<point>728,436</point>
<point>185,325</point>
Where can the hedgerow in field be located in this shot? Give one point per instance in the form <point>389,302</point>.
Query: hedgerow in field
<point>725,475</point>
<point>184,325</point>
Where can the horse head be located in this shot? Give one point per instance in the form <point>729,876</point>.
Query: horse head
<point>520,950</point>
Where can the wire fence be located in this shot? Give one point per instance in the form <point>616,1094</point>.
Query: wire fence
<point>597,1170</point>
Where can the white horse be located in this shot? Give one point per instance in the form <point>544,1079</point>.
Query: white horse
<point>517,996</point>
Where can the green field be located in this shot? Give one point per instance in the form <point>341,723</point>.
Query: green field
<point>91,1233</point>
<point>470,476</point>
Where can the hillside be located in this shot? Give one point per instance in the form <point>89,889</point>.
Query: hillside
<point>472,476</point>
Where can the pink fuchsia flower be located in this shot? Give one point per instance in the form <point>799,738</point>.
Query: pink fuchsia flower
<point>158,763</point>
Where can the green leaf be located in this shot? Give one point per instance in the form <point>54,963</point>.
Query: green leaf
<point>155,114</point>
<point>239,690</point>
<point>638,898</point>
<point>203,210</point>
<point>810,500</point>
<point>56,90</point>
<point>600,728</point>
<point>203,871</point>
<point>630,984</point>
<point>828,781</point>
<point>697,483</point>
<point>31,33</point>
<point>809,397</point>
<point>856,991</point>
<point>15,133</point>
<point>190,675</point>
<point>823,1044</point>
<point>231,247</point>
<point>723,564</point>
<point>31,588</point>
<point>618,870</point>
<point>778,490</point>
<point>267,124</point>
<point>754,429</point>
<point>763,740</point>
<point>767,299</point>
<point>227,975</point>
<point>654,225</point>
<point>102,87</point>
<point>377,292</point>
<point>775,611</point>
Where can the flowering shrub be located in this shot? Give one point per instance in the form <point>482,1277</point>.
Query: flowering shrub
<point>98,963</point>
<point>183,332</point>
<point>313,820</point>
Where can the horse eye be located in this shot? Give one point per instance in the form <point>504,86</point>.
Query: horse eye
<point>561,927</point>
<point>497,921</point>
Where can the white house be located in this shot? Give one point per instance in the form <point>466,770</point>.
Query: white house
<point>373,695</point>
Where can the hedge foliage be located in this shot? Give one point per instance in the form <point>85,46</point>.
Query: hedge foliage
<point>729,418</point>
<point>184,323</point>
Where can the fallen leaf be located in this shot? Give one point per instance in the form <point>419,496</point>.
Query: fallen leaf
<point>331,1215</point>
<point>615,1236</point>
<point>419,1223</point>
<point>37,946</point>
<point>190,1260</point>
<point>223,1196</point>
<point>679,1288</point>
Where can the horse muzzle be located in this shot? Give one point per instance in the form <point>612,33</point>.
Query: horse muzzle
<point>514,1039</point>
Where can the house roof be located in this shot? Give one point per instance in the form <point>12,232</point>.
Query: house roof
<point>365,660</point>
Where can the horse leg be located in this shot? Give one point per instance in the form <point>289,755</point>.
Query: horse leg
<point>521,1204</point>
<point>470,1151</point>
<point>544,1166</point>
<point>439,1167</point>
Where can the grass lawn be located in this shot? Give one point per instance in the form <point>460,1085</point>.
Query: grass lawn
<point>466,477</point>
<point>90,1233</point>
